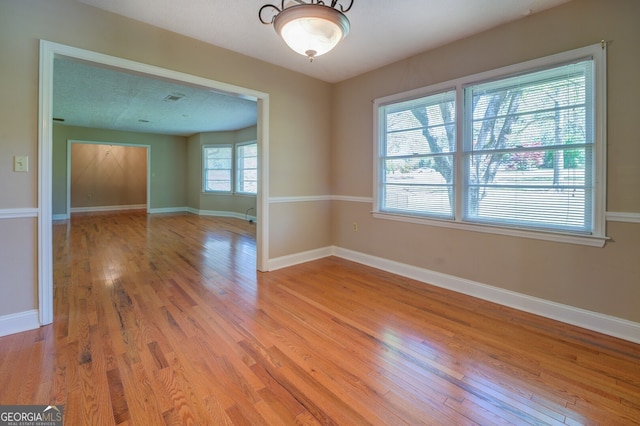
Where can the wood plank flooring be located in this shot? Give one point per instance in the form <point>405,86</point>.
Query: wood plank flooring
<point>163,320</point>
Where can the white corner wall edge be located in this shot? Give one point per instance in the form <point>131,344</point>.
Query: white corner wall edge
<point>593,321</point>
<point>297,258</point>
<point>19,322</point>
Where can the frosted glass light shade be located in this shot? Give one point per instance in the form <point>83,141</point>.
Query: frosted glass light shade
<point>311,29</point>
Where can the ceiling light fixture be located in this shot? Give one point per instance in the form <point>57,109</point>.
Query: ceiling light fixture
<point>312,28</point>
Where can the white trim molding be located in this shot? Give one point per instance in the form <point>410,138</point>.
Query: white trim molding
<point>19,322</point>
<point>45,179</point>
<point>300,199</point>
<point>308,198</point>
<point>18,213</point>
<point>108,208</point>
<point>594,321</point>
<point>352,199</point>
<point>623,217</point>
<point>168,210</point>
<point>297,258</point>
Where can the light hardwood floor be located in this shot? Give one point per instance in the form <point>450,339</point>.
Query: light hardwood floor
<point>163,320</point>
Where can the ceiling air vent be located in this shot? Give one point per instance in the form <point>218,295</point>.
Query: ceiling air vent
<point>174,97</point>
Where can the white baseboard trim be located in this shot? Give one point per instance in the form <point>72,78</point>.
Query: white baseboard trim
<point>19,322</point>
<point>169,210</point>
<point>294,259</point>
<point>218,213</point>
<point>62,216</point>
<point>108,208</point>
<point>162,210</point>
<point>594,321</point>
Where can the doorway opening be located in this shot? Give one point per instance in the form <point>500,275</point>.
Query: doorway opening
<point>48,52</point>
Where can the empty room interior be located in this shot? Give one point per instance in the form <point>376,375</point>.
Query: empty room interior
<point>429,214</point>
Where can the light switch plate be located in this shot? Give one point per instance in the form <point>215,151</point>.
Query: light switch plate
<point>20,163</point>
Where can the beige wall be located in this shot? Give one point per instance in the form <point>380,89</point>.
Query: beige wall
<point>18,287</point>
<point>604,280</point>
<point>299,127</point>
<point>168,164</point>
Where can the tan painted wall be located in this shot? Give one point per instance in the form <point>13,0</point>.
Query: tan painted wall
<point>604,280</point>
<point>296,221</point>
<point>18,286</point>
<point>299,126</point>
<point>107,175</point>
<point>168,163</point>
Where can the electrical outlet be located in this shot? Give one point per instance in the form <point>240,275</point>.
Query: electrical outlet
<point>355,227</point>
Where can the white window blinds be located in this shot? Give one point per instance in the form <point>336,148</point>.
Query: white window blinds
<point>218,165</point>
<point>247,157</point>
<point>520,150</point>
<point>528,149</point>
<point>417,155</point>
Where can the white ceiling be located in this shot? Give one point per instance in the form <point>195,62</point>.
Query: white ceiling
<point>382,32</point>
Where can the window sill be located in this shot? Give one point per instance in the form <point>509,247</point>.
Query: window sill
<point>235,194</point>
<point>586,240</point>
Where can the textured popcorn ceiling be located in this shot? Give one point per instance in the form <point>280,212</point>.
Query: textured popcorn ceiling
<point>87,95</point>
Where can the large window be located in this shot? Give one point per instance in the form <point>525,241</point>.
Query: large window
<point>221,171</point>
<point>520,148</point>
<point>247,168</point>
<point>218,167</point>
<point>418,158</point>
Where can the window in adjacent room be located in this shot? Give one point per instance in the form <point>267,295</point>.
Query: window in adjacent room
<point>518,150</point>
<point>247,168</point>
<point>218,168</point>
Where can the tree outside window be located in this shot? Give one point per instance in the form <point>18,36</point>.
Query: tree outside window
<point>522,146</point>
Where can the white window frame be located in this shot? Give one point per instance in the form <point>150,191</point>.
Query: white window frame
<point>204,169</point>
<point>597,238</point>
<point>240,168</point>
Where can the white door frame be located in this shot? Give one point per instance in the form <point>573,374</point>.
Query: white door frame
<point>48,51</point>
